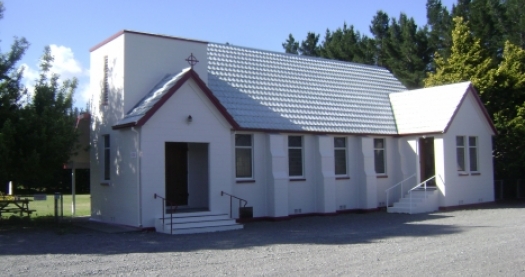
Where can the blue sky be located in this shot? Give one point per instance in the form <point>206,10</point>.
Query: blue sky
<point>71,28</point>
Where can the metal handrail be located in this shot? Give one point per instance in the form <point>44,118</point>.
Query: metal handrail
<point>231,199</point>
<point>424,184</point>
<point>155,196</point>
<point>387,191</point>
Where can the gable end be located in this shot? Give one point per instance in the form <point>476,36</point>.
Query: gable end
<point>480,105</point>
<point>190,74</point>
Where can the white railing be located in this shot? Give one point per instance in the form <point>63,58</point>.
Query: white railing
<point>420,185</point>
<point>400,185</point>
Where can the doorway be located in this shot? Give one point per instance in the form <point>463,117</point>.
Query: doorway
<point>427,164</point>
<point>176,174</point>
<point>187,176</point>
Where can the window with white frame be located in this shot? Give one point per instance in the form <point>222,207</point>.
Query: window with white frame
<point>380,155</point>
<point>295,156</point>
<point>107,159</point>
<point>340,156</point>
<point>473,153</point>
<point>243,156</point>
<point>460,153</point>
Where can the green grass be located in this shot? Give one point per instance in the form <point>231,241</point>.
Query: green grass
<point>47,207</point>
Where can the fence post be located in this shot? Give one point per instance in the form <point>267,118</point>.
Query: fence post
<point>59,207</point>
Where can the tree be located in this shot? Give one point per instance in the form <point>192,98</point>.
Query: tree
<point>440,24</point>
<point>505,101</point>
<point>379,28</point>
<point>342,44</point>
<point>467,60</point>
<point>515,21</point>
<point>11,90</point>
<point>291,46</point>
<point>47,125</point>
<point>406,50</point>
<point>310,47</point>
<point>38,136</point>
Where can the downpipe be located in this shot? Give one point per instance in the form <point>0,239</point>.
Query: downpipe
<point>139,188</point>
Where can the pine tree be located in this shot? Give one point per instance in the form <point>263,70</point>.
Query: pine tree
<point>379,28</point>
<point>310,47</point>
<point>515,21</point>
<point>407,51</point>
<point>440,24</point>
<point>342,44</point>
<point>291,46</point>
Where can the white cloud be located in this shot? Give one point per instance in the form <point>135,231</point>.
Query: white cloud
<point>82,95</point>
<point>64,63</point>
<point>67,67</point>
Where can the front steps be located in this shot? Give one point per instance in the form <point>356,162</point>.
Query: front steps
<point>422,202</point>
<point>196,222</point>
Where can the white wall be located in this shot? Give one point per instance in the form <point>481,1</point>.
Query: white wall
<point>169,124</point>
<point>150,58</point>
<point>107,196</point>
<point>255,191</point>
<point>198,175</point>
<point>471,189</point>
<point>136,63</point>
<point>348,190</point>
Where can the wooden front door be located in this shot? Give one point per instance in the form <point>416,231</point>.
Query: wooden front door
<point>176,174</point>
<point>427,163</point>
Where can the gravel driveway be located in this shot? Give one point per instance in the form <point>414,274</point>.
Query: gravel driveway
<point>477,242</point>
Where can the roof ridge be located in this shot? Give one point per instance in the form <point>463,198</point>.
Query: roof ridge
<point>299,56</point>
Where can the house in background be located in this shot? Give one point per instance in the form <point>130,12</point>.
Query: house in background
<point>179,126</point>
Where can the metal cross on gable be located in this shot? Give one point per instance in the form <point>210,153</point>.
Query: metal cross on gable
<point>192,60</point>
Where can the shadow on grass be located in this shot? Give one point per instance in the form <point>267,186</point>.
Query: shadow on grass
<point>17,224</point>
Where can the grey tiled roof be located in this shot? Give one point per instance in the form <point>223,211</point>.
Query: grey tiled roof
<point>283,92</point>
<point>277,91</point>
<point>151,98</point>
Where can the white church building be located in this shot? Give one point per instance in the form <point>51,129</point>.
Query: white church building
<point>181,129</point>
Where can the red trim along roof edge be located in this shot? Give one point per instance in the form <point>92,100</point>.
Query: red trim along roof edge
<point>193,75</point>
<point>141,33</point>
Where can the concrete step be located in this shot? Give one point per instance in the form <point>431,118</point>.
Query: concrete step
<point>419,202</point>
<point>191,217</point>
<point>196,222</point>
<point>204,223</point>
<point>209,229</point>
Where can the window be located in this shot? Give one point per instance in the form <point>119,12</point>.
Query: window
<point>243,156</point>
<point>460,153</point>
<point>379,156</point>
<point>340,156</point>
<point>105,86</point>
<point>295,156</point>
<point>107,159</point>
<point>473,153</point>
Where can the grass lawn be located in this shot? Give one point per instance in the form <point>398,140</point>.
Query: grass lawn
<point>47,207</point>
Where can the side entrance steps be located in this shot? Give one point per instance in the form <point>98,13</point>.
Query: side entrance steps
<point>195,222</point>
<point>422,202</point>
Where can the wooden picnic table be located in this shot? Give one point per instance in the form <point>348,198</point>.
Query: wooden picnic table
<point>15,205</point>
